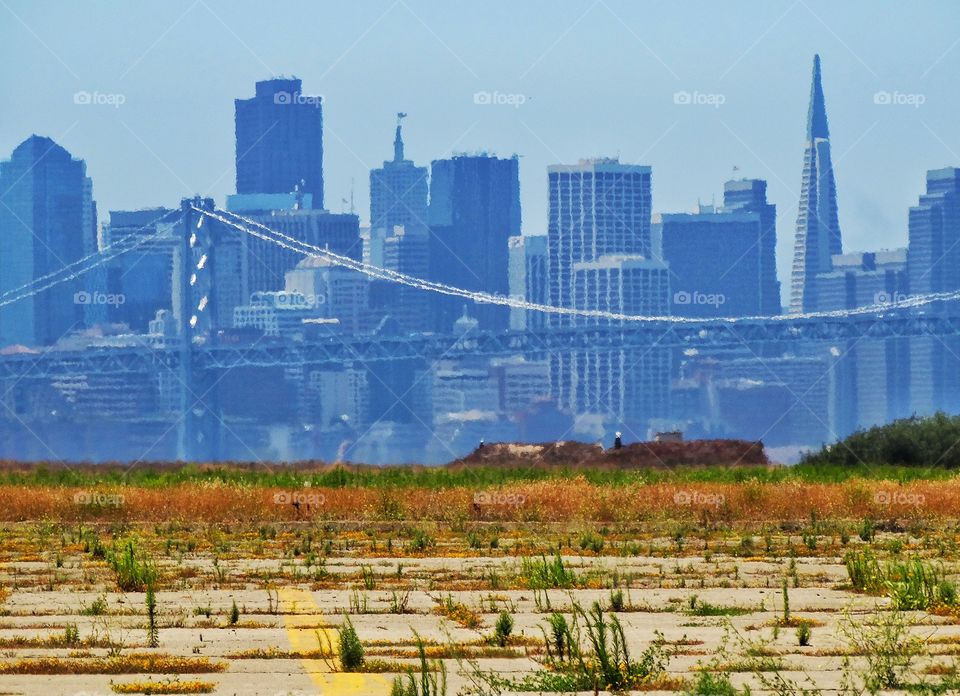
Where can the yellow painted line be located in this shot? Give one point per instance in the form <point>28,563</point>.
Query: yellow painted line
<point>300,609</point>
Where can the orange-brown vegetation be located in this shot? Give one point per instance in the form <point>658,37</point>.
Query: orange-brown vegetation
<point>548,501</point>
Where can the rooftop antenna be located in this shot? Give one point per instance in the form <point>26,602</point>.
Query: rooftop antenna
<point>398,139</point>
<point>351,196</point>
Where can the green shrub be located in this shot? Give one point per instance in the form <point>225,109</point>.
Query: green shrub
<point>133,573</point>
<point>804,632</point>
<point>541,574</point>
<point>351,650</point>
<point>153,632</point>
<point>431,680</point>
<point>503,629</point>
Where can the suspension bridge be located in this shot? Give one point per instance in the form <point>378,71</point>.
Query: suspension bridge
<point>196,356</point>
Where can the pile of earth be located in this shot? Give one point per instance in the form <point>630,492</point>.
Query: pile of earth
<point>633,455</point>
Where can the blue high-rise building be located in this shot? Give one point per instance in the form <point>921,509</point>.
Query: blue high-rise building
<point>280,140</point>
<point>48,220</point>
<point>750,196</point>
<point>597,207</point>
<point>144,276</point>
<point>818,228</point>
<point>398,219</point>
<point>474,210</point>
<point>933,265</point>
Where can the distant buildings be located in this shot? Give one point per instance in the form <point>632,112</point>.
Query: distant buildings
<point>143,276</point>
<point>750,196</point>
<point>596,207</point>
<point>265,263</point>
<point>933,263</point>
<point>720,259</point>
<point>48,219</point>
<point>333,291</point>
<point>474,210</point>
<point>398,226</point>
<point>861,279</point>
<point>280,140</point>
<point>818,227</point>
<point>626,387</point>
<point>934,230</point>
<point>528,279</point>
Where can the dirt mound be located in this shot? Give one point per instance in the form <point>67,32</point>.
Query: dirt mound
<point>635,455</point>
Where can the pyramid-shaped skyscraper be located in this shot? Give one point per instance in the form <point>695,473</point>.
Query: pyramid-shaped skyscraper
<point>818,228</point>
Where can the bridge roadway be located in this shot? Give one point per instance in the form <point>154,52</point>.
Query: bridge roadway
<point>936,319</point>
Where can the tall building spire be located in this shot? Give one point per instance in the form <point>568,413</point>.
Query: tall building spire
<point>817,113</point>
<point>818,228</point>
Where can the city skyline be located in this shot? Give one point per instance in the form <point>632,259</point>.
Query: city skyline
<point>881,151</point>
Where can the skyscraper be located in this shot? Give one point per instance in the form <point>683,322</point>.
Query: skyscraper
<point>528,279</point>
<point>597,207</point>
<point>144,276</point>
<point>716,263</point>
<point>627,387</point>
<point>398,191</point>
<point>280,140</point>
<point>398,220</point>
<point>933,259</point>
<point>750,195</point>
<point>818,227</point>
<point>48,219</point>
<point>933,265</point>
<point>474,210</point>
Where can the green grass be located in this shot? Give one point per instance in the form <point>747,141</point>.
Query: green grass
<point>543,573</point>
<point>912,584</point>
<point>293,475</point>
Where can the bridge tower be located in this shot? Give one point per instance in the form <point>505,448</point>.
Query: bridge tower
<point>198,430</point>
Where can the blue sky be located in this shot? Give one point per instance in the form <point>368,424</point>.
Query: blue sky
<point>575,79</point>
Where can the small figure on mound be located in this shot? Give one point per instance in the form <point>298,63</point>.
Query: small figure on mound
<point>617,441</point>
<point>481,444</point>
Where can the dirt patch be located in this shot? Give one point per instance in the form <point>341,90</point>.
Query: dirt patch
<point>634,455</point>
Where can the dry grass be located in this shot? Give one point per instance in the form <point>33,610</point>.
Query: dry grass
<point>546,501</point>
<point>164,687</point>
<point>134,663</point>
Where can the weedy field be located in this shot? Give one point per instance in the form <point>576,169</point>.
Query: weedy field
<point>230,580</point>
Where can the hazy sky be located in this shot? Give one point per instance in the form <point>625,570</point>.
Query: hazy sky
<point>573,79</point>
